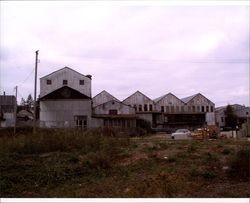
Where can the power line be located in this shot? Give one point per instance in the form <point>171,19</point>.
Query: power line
<point>27,77</point>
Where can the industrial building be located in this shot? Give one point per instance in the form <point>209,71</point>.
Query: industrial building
<point>65,101</point>
<point>7,110</point>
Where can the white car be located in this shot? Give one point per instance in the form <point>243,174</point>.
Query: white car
<point>181,134</point>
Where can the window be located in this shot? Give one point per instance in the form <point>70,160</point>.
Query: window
<point>193,108</point>
<point>145,107</point>
<point>112,112</point>
<point>135,107</point>
<point>182,108</point>
<point>167,109</point>
<point>49,82</point>
<point>65,82</point>
<point>81,82</point>
<point>202,109</point>
<point>189,108</point>
<point>172,109</point>
<point>162,108</point>
<point>222,119</point>
<point>246,113</point>
<point>81,121</point>
<point>212,108</point>
<point>198,108</point>
<point>207,108</point>
<point>140,107</point>
<point>150,107</point>
<point>177,108</point>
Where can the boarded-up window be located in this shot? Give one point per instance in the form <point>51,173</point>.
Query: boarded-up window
<point>81,82</point>
<point>172,109</point>
<point>49,82</point>
<point>140,107</point>
<point>112,112</point>
<point>162,108</point>
<point>167,109</point>
<point>150,107</point>
<point>193,108</point>
<point>189,108</point>
<point>182,108</point>
<point>65,82</point>
<point>145,107</point>
<point>177,108</point>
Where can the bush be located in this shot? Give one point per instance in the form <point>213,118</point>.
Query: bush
<point>208,175</point>
<point>226,151</point>
<point>240,165</point>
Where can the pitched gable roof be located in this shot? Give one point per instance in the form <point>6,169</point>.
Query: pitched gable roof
<point>139,93</point>
<point>165,95</point>
<point>114,102</point>
<point>188,99</point>
<point>104,91</point>
<point>63,69</point>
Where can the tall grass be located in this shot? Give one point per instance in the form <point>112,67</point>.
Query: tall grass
<point>62,140</point>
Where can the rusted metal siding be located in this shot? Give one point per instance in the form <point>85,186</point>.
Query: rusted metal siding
<point>137,99</point>
<point>113,105</point>
<point>73,80</point>
<point>102,98</point>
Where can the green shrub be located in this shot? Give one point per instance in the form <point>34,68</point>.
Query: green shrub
<point>240,165</point>
<point>208,175</point>
<point>226,151</point>
<point>210,157</point>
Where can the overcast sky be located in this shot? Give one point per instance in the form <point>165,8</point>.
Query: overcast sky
<point>155,49</point>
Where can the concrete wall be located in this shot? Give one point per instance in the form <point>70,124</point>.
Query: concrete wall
<point>60,113</point>
<point>113,105</point>
<point>139,99</point>
<point>57,78</point>
<point>102,97</point>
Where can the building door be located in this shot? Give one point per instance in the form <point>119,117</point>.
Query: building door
<point>81,122</point>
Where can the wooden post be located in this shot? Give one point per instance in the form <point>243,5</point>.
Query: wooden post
<point>34,120</point>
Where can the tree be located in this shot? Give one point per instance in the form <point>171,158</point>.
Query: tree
<point>230,117</point>
<point>28,103</point>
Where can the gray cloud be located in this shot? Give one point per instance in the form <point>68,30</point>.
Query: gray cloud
<point>178,49</point>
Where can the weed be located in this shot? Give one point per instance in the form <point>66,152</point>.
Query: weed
<point>172,159</point>
<point>163,145</point>
<point>192,147</point>
<point>240,165</point>
<point>194,172</point>
<point>226,151</point>
<point>210,157</point>
<point>208,175</point>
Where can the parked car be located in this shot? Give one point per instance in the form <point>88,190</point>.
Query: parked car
<point>181,134</point>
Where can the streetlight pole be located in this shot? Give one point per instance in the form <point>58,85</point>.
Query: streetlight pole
<point>34,120</point>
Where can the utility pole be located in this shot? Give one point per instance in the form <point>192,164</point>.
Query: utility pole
<point>34,120</point>
<point>15,112</point>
